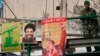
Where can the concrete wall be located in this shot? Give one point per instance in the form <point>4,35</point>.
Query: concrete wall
<point>35,9</point>
<point>29,9</point>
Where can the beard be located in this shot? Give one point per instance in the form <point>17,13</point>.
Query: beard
<point>87,9</point>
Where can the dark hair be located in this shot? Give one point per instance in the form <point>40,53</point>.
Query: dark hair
<point>29,25</point>
<point>86,3</point>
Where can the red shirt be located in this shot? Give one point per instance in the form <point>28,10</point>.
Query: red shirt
<point>59,50</point>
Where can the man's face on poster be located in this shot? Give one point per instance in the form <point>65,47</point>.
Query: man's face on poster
<point>29,32</point>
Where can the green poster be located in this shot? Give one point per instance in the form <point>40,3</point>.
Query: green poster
<point>11,37</point>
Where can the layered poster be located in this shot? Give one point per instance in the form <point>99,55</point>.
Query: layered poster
<point>11,37</point>
<point>28,36</point>
<point>32,36</point>
<point>53,36</point>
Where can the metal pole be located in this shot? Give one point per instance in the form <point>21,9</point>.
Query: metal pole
<point>45,15</point>
<point>79,17</point>
<point>53,9</point>
<point>61,11</point>
<point>28,49</point>
<point>66,7</point>
<point>9,9</point>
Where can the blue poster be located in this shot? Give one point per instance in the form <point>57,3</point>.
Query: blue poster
<point>0,7</point>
